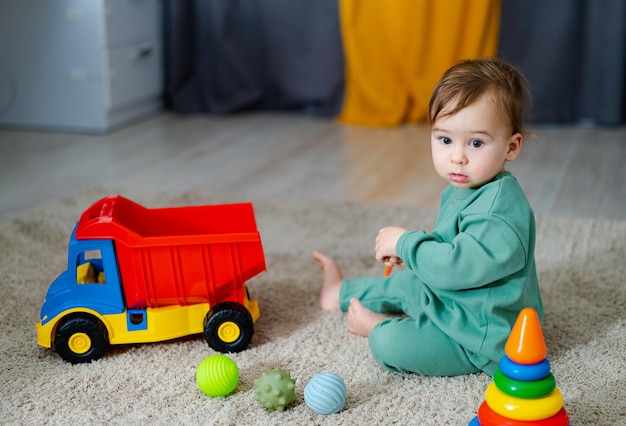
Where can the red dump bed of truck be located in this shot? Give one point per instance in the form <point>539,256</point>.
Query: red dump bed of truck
<point>178,255</point>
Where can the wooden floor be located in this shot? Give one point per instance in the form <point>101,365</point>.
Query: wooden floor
<point>566,171</point>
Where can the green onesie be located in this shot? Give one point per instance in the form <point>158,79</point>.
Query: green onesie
<point>464,285</point>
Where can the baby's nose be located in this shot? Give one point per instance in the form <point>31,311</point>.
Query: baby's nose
<point>458,156</point>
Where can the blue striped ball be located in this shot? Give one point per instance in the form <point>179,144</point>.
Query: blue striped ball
<point>325,393</point>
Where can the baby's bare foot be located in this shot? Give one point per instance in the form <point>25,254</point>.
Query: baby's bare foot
<point>361,320</point>
<point>329,296</point>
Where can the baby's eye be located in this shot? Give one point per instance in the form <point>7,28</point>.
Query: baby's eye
<point>476,143</point>
<point>445,140</point>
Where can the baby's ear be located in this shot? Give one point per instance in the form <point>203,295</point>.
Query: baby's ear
<point>515,146</point>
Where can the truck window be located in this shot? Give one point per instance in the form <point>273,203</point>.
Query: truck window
<point>89,269</point>
<point>92,254</point>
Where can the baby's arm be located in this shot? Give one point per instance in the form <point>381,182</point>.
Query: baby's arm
<point>487,249</point>
<point>385,247</point>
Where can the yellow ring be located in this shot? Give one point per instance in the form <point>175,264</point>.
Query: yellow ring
<point>228,332</point>
<point>523,409</point>
<point>79,343</point>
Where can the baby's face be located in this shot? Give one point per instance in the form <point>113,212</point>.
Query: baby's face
<point>471,146</point>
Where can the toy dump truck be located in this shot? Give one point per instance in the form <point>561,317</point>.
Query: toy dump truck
<point>138,275</point>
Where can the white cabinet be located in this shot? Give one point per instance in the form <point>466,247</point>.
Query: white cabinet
<point>83,65</point>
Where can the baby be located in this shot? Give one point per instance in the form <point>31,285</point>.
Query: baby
<point>464,283</point>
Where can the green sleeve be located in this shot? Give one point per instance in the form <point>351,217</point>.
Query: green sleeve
<point>485,250</point>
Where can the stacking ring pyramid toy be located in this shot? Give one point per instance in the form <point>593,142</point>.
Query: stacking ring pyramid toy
<point>523,391</point>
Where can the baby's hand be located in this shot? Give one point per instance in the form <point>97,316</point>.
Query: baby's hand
<point>385,247</point>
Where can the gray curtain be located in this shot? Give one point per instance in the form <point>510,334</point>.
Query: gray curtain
<point>573,53</point>
<point>231,55</point>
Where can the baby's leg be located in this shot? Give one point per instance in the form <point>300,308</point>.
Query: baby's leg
<point>332,277</point>
<point>417,345</point>
<point>361,320</point>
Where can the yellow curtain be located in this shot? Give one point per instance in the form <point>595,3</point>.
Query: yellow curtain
<point>396,51</point>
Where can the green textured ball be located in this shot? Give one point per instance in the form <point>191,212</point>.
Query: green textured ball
<point>217,375</point>
<point>275,389</point>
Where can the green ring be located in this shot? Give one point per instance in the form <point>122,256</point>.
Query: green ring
<point>521,389</point>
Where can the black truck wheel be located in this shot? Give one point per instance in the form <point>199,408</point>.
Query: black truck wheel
<point>228,327</point>
<point>79,340</point>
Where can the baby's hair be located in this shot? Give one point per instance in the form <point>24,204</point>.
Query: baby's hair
<point>466,81</point>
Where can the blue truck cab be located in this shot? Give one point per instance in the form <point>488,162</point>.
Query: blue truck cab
<point>89,287</point>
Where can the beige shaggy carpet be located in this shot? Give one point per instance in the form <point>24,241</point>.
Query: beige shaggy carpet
<point>582,267</point>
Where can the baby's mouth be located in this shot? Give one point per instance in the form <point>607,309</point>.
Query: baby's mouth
<point>457,178</point>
